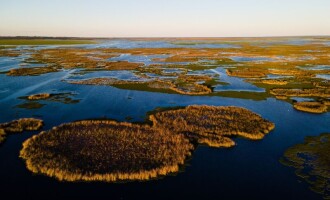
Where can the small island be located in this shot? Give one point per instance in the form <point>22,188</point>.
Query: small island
<point>18,126</point>
<point>106,150</point>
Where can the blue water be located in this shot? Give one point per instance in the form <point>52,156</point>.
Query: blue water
<point>131,44</point>
<point>118,74</point>
<point>323,76</point>
<point>249,59</point>
<point>235,84</point>
<point>250,170</point>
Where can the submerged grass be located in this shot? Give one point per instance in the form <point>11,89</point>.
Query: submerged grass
<point>312,162</point>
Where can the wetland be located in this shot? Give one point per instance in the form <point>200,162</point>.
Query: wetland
<point>126,118</point>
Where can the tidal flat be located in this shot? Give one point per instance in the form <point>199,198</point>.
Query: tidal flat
<point>214,99</point>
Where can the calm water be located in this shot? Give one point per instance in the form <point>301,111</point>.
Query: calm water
<point>250,170</point>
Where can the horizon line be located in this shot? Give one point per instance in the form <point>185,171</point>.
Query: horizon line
<point>161,37</point>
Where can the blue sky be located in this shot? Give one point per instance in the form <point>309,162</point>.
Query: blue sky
<point>164,18</point>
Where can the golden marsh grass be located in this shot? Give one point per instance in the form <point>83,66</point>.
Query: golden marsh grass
<point>312,107</point>
<point>19,125</point>
<point>105,150</point>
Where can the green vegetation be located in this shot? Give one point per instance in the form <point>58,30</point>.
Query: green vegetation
<point>104,150</point>
<point>312,162</point>
<point>18,126</point>
<point>17,42</point>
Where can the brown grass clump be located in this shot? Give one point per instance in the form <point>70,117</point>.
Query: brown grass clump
<point>35,71</point>
<point>281,97</point>
<point>20,125</point>
<point>8,53</point>
<point>101,81</point>
<point>312,107</point>
<point>2,135</point>
<point>214,123</point>
<point>274,82</point>
<point>122,65</point>
<point>322,84</point>
<point>105,151</point>
<point>313,92</point>
<point>247,73</point>
<point>159,84</point>
<point>326,102</point>
<point>39,96</point>
<point>188,88</point>
<point>191,89</point>
<point>312,162</point>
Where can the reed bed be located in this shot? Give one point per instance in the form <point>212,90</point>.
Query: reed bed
<point>39,96</point>
<point>32,71</point>
<point>308,92</point>
<point>312,107</point>
<point>18,126</point>
<point>211,122</point>
<point>105,151</point>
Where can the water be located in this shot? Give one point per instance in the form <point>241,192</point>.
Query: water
<point>323,76</point>
<point>250,170</point>
<point>132,44</point>
<point>235,84</point>
<point>118,74</point>
<point>146,59</point>
<point>249,59</point>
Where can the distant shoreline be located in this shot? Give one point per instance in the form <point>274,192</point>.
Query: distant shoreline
<point>204,38</point>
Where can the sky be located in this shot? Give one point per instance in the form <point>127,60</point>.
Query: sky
<point>164,18</point>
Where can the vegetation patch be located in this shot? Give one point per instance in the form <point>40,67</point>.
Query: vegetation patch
<point>105,151</point>
<point>313,92</point>
<point>30,105</point>
<point>65,97</point>
<point>312,107</point>
<point>273,82</point>
<point>39,96</point>
<point>246,73</point>
<point>211,124</point>
<point>8,53</point>
<point>312,162</point>
<point>18,126</point>
<point>32,71</point>
<point>187,88</point>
